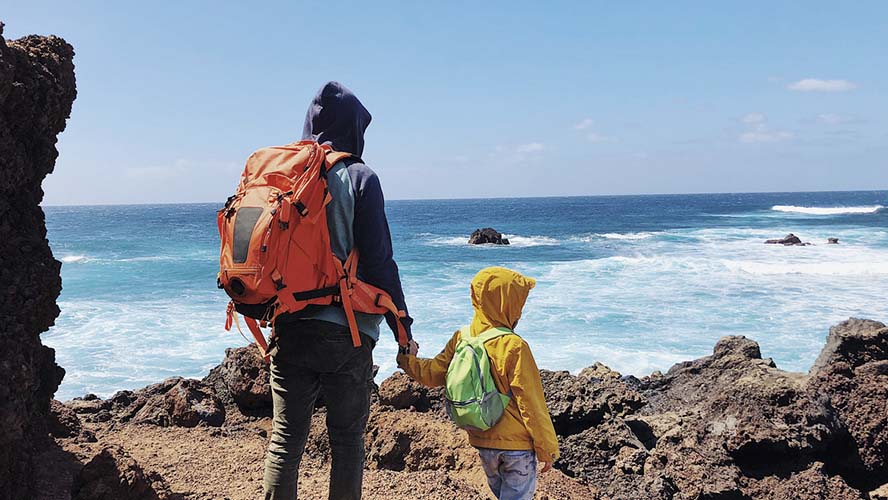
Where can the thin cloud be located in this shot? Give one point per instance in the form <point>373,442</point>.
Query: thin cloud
<point>531,147</point>
<point>598,138</point>
<point>759,132</point>
<point>583,125</point>
<point>765,136</point>
<point>751,118</point>
<point>818,85</point>
<point>835,119</point>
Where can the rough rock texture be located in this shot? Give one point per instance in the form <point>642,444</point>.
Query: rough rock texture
<point>242,379</point>
<point>36,92</point>
<point>174,402</point>
<point>852,374</point>
<point>487,235</point>
<point>401,393</point>
<point>113,474</point>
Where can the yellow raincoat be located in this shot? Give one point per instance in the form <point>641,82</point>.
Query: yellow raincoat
<point>498,295</point>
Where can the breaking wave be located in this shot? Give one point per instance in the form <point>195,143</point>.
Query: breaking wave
<point>869,209</point>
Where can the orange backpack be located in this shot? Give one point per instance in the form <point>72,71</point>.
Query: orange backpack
<point>275,255</point>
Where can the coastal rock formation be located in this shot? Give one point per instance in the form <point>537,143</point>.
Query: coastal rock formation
<point>174,402</point>
<point>113,474</point>
<point>728,425</point>
<point>242,379</point>
<point>487,235</point>
<point>787,241</point>
<point>832,241</point>
<point>36,92</point>
<point>852,374</point>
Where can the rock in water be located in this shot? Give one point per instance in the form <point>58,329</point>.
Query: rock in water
<point>487,235</point>
<point>832,241</point>
<point>36,92</point>
<point>789,240</point>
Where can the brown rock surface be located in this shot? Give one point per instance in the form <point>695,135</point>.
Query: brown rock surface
<point>36,92</point>
<point>852,374</point>
<point>242,379</point>
<point>113,474</point>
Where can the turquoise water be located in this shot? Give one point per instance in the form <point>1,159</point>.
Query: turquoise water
<point>637,282</point>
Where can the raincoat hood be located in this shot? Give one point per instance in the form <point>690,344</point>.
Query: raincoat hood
<point>498,296</point>
<point>337,117</point>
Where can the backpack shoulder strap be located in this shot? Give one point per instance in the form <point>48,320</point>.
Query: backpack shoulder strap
<point>333,157</point>
<point>482,339</point>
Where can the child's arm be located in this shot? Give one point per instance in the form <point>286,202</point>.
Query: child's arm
<point>527,389</point>
<point>429,372</point>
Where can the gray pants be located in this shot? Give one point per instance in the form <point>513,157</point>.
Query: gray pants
<point>313,356</point>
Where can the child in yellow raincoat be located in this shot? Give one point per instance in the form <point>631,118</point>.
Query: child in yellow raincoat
<point>510,449</point>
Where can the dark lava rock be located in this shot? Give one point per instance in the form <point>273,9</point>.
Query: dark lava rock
<point>487,235</point>
<point>36,92</point>
<point>63,421</point>
<point>113,475</point>
<point>401,393</point>
<point>242,378</point>
<point>852,374</point>
<point>832,241</point>
<point>174,402</point>
<point>578,402</point>
<point>186,403</point>
<point>789,240</point>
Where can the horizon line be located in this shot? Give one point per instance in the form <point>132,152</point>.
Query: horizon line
<point>470,198</point>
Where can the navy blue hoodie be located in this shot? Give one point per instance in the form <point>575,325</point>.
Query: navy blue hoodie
<point>356,216</point>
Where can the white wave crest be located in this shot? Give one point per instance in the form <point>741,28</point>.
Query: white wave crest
<point>868,209</point>
<point>71,259</point>
<point>514,240</point>
<point>625,236</point>
<point>812,268</point>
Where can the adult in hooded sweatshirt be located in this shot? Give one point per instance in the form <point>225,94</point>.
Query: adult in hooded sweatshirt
<point>314,352</point>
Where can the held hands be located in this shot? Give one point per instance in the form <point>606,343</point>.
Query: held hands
<point>413,347</point>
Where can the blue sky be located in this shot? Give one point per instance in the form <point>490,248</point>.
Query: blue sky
<point>476,99</point>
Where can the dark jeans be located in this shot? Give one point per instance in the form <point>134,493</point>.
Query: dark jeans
<point>313,356</point>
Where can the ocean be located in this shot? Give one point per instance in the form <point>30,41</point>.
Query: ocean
<point>636,282</point>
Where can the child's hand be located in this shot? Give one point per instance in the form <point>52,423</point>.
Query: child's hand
<point>547,466</point>
<point>414,348</point>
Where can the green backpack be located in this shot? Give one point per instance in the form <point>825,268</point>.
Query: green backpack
<point>473,401</point>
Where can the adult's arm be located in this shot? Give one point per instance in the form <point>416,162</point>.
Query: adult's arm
<point>374,241</point>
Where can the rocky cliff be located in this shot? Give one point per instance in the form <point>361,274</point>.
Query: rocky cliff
<point>36,93</point>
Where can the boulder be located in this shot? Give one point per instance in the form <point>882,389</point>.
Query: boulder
<point>406,441</point>
<point>852,374</point>
<point>578,402</point>
<point>242,379</point>
<point>113,474</point>
<point>788,240</point>
<point>832,241</point>
<point>63,422</point>
<point>37,90</point>
<point>487,236</point>
<point>402,393</point>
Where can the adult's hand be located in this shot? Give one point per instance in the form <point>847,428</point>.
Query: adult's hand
<point>547,466</point>
<point>414,348</point>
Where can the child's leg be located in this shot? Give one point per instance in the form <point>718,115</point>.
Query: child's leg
<point>490,461</point>
<point>510,474</point>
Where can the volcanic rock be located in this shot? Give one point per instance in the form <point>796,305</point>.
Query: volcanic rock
<point>789,240</point>
<point>487,235</point>
<point>36,92</point>
<point>113,474</point>
<point>832,241</point>
<point>401,393</point>
<point>852,375</point>
<point>242,378</point>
